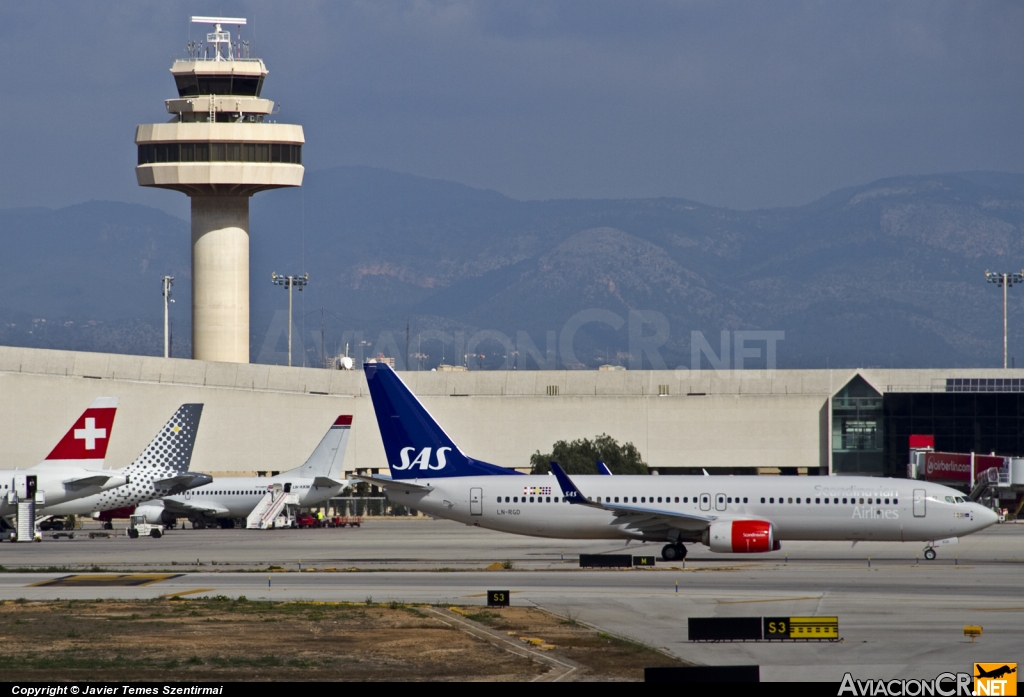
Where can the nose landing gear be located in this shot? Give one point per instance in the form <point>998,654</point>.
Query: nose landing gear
<point>929,553</point>
<point>673,552</point>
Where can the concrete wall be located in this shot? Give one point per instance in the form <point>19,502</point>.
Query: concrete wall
<point>260,417</point>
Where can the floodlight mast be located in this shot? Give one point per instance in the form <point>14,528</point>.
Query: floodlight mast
<point>1004,281</point>
<point>290,282</point>
<point>168,281</point>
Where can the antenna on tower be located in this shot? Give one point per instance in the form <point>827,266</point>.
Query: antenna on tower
<point>218,37</point>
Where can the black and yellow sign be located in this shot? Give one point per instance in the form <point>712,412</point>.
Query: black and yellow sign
<point>995,679</point>
<point>645,561</point>
<point>89,580</point>
<point>806,628</point>
<point>497,598</point>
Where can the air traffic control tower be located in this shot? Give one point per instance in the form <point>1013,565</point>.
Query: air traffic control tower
<point>220,147</point>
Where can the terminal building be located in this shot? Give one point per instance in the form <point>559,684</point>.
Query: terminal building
<point>261,418</point>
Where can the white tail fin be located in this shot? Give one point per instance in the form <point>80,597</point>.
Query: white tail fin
<point>329,455</point>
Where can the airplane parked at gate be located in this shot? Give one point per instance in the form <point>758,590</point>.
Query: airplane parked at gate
<point>228,498</point>
<point>727,513</point>
<point>160,470</point>
<point>73,469</point>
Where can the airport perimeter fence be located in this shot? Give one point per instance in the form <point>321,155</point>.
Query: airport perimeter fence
<point>367,507</point>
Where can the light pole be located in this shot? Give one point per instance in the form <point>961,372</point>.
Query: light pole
<point>168,282</point>
<point>290,282</point>
<point>1004,281</point>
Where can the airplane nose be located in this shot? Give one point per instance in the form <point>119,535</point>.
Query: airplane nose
<point>985,516</point>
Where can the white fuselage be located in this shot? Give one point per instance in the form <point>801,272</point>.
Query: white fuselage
<point>799,508</point>
<point>239,495</point>
<point>55,484</point>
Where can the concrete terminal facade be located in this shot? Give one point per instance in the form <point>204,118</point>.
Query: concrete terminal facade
<point>269,418</point>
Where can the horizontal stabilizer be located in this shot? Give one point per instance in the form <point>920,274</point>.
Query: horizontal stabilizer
<point>181,483</point>
<point>328,483</point>
<point>110,481</point>
<point>393,483</point>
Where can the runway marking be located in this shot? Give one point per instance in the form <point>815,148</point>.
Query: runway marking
<point>181,593</point>
<point>768,600</point>
<point>84,580</point>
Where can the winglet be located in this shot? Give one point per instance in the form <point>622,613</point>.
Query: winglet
<point>603,469</point>
<point>569,490</point>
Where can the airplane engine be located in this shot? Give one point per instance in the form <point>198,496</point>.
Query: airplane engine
<point>740,536</point>
<point>155,515</point>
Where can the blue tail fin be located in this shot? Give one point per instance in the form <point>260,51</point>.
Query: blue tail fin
<point>416,446</point>
<point>603,469</point>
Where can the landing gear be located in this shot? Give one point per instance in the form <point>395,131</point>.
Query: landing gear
<point>673,552</point>
<point>108,525</point>
<point>929,554</point>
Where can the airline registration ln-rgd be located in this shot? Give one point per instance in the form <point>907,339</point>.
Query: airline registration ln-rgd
<point>727,513</point>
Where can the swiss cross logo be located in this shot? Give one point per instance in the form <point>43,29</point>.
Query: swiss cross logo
<point>88,438</point>
<point>90,434</point>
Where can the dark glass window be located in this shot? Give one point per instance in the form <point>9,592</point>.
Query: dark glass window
<point>217,151</point>
<point>857,433</point>
<point>248,152</point>
<point>762,499</point>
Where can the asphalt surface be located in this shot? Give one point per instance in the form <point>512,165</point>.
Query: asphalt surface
<point>899,617</point>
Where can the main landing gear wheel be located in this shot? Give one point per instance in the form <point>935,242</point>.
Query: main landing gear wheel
<point>673,552</point>
<point>929,554</point>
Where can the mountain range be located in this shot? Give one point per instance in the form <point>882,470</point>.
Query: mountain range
<point>888,274</point>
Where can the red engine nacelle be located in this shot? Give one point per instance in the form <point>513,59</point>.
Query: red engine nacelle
<point>741,536</point>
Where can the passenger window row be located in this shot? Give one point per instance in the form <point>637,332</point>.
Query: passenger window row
<point>610,499</point>
<point>872,501</point>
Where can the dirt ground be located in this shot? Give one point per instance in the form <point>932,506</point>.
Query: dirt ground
<point>209,639</point>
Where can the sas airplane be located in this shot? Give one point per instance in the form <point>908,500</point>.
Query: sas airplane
<point>727,513</point>
<point>161,469</point>
<point>74,468</point>
<point>228,498</point>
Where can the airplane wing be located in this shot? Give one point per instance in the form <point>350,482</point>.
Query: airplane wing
<point>388,482</point>
<point>328,483</point>
<point>639,518</point>
<point>205,507</point>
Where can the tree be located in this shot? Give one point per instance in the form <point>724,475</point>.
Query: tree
<point>581,457</point>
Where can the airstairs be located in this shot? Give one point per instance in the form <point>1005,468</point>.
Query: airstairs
<point>270,507</point>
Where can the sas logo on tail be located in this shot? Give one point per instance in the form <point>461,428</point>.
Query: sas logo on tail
<point>422,460</point>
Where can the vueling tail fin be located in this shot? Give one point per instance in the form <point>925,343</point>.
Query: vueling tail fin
<point>329,455</point>
<point>170,452</point>
<point>416,446</point>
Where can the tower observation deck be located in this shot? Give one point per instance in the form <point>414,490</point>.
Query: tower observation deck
<point>219,147</point>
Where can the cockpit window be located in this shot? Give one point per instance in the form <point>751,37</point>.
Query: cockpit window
<point>961,499</point>
<point>949,499</point>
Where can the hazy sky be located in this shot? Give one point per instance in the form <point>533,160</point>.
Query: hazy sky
<point>745,104</point>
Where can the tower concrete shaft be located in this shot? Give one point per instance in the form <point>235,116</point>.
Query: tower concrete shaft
<point>220,278</point>
<point>219,148</point>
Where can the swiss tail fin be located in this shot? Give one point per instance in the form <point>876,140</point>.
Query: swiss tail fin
<point>170,452</point>
<point>416,446</point>
<point>328,457</point>
<point>85,443</point>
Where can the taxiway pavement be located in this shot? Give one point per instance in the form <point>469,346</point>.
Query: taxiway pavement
<point>899,617</point>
